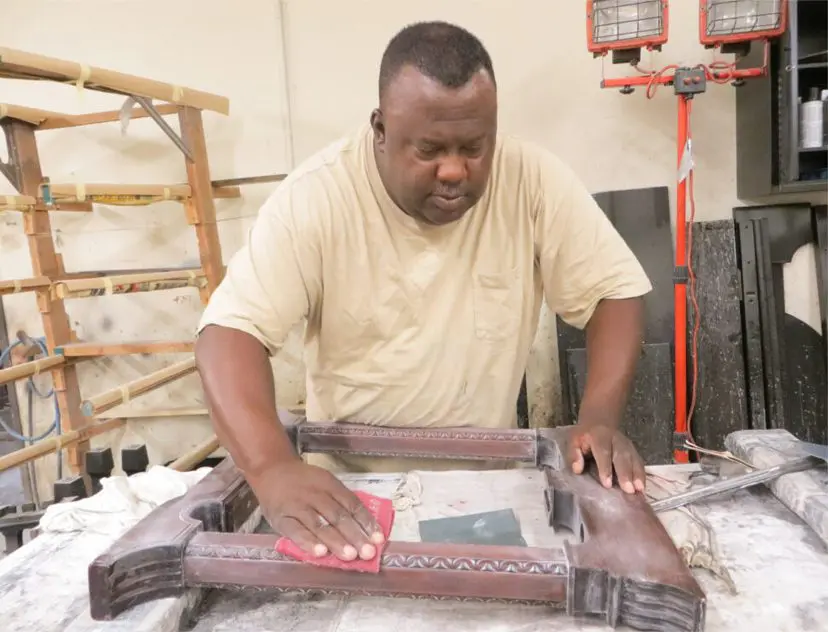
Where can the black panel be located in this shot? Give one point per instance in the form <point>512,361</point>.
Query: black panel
<point>648,420</point>
<point>787,376</point>
<point>721,398</point>
<point>642,217</point>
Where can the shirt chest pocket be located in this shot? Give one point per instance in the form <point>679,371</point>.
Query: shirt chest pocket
<point>497,304</point>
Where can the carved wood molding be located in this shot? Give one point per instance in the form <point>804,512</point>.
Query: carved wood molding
<point>622,566</point>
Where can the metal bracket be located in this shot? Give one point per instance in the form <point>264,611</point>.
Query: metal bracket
<point>689,81</point>
<point>9,169</point>
<point>680,440</point>
<point>46,191</point>
<point>165,127</point>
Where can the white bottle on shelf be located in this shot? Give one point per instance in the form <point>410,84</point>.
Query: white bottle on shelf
<point>810,121</point>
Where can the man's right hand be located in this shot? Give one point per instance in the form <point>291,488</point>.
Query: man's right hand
<point>313,508</point>
<point>302,502</point>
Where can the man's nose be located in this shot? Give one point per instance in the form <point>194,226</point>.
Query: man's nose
<point>451,169</point>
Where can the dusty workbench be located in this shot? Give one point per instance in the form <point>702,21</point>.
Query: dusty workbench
<point>777,565</point>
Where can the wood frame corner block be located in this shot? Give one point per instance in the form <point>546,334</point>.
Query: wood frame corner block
<point>622,566</point>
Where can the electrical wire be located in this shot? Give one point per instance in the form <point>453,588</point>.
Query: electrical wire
<point>32,387</point>
<point>692,290</point>
<point>720,72</point>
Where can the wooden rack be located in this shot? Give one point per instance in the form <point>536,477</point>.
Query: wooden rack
<point>38,197</point>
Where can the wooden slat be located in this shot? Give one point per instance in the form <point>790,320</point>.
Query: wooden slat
<point>122,194</point>
<point>24,165</point>
<point>23,285</point>
<point>17,64</point>
<point>23,204</point>
<point>29,369</point>
<point>127,194</point>
<point>128,283</point>
<point>47,119</point>
<point>117,396</point>
<point>191,458</point>
<point>181,411</point>
<point>25,114</point>
<point>99,349</point>
<point>157,413</point>
<point>53,444</point>
<point>91,274</point>
<point>61,121</point>
<point>17,202</point>
<point>98,280</point>
<point>72,207</point>
<point>200,208</point>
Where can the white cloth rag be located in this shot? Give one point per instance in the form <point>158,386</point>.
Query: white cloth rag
<point>122,501</point>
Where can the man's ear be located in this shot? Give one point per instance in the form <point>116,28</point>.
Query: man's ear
<point>378,125</point>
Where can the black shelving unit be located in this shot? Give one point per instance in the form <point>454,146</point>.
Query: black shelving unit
<point>770,161</point>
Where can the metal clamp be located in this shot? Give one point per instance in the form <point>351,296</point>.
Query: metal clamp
<point>165,127</point>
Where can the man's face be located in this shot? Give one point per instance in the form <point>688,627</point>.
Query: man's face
<point>435,144</point>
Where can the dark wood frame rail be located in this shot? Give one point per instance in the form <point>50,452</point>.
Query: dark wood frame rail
<point>624,568</point>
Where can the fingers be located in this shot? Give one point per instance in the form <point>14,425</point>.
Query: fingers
<point>367,526</point>
<point>321,525</point>
<point>610,453</point>
<point>602,453</point>
<point>639,473</point>
<point>296,531</point>
<point>575,455</point>
<point>629,467</point>
<point>622,461</point>
<point>336,529</point>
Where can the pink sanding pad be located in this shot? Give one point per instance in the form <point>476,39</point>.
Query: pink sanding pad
<point>383,511</point>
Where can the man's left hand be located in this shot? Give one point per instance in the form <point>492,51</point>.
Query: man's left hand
<point>611,450</point>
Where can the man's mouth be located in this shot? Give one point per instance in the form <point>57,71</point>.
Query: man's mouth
<point>449,203</point>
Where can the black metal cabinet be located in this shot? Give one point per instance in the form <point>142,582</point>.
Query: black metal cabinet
<point>770,160</point>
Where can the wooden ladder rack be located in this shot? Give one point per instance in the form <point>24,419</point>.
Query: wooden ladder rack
<point>38,197</point>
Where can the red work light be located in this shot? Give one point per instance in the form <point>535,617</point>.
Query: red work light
<point>723,22</point>
<point>626,26</point>
<point>623,25</point>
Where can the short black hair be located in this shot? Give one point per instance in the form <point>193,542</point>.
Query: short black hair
<point>441,51</point>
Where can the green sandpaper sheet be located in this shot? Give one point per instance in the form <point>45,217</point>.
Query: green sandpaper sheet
<point>491,528</point>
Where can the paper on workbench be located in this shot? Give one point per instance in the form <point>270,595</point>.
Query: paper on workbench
<point>121,502</point>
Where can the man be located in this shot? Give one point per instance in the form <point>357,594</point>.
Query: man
<point>418,252</point>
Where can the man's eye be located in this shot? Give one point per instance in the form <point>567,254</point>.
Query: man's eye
<point>427,152</point>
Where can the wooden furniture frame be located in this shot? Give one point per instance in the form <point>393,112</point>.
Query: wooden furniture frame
<point>624,567</point>
<point>39,197</point>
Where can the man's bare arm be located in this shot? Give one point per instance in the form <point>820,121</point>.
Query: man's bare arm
<point>614,336</point>
<point>238,383</point>
<point>303,502</point>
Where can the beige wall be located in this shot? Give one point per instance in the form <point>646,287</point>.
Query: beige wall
<point>298,74</point>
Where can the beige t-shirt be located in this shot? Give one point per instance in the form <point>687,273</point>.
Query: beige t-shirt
<point>416,325</point>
